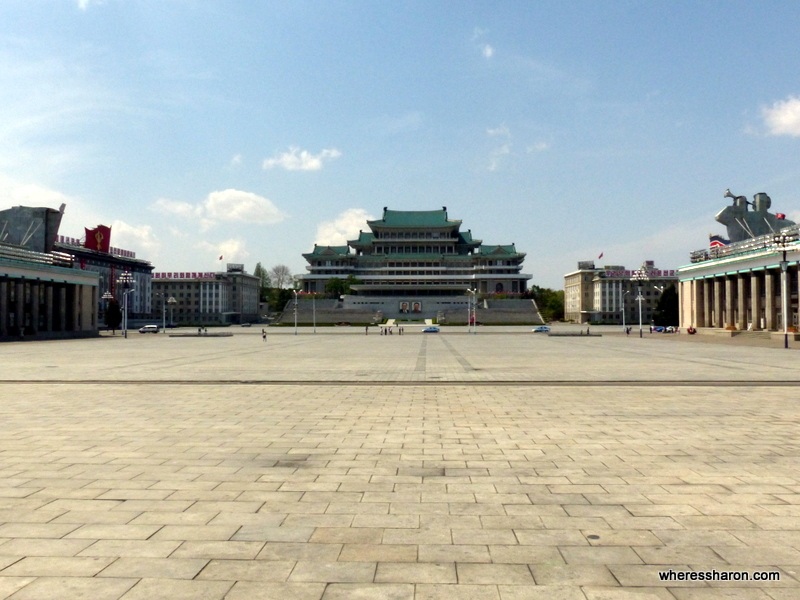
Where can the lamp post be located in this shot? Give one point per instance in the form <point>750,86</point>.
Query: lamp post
<point>295,311</point>
<point>172,302</point>
<point>782,241</point>
<point>314,310</point>
<point>471,309</point>
<point>107,296</point>
<point>163,297</point>
<point>640,277</point>
<point>622,308</point>
<point>126,281</point>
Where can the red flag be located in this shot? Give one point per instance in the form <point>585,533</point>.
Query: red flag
<point>780,216</point>
<point>98,238</point>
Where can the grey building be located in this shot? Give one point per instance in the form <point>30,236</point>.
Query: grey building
<point>230,296</point>
<point>609,294</point>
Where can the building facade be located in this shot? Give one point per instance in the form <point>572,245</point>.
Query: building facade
<point>415,263</point>
<point>209,298</point>
<point>109,264</point>
<point>610,294</point>
<point>748,281</point>
<point>44,294</point>
<point>744,285</point>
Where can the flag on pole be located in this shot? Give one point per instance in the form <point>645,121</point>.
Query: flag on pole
<point>601,255</point>
<point>220,257</point>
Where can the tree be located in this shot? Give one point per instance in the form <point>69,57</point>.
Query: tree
<point>280,275</point>
<point>113,315</point>
<point>265,283</point>
<point>338,287</point>
<point>550,302</point>
<point>667,312</point>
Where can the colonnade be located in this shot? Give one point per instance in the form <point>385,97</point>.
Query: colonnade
<point>745,300</point>
<point>38,307</point>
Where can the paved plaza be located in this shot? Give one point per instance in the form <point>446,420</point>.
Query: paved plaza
<point>504,465</point>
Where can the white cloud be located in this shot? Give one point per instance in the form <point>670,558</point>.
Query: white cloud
<point>502,131</point>
<point>17,193</point>
<point>85,4</point>
<point>236,205</point>
<point>344,227</point>
<point>538,147</point>
<point>236,160</point>
<point>301,160</point>
<point>232,250</point>
<point>783,117</point>
<point>139,238</point>
<point>497,156</point>
<point>487,51</point>
<point>175,207</point>
<point>225,205</point>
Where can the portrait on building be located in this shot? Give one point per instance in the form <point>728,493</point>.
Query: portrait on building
<point>404,307</point>
<point>417,307</point>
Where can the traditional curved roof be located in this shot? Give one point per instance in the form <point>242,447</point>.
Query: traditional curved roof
<point>499,250</point>
<point>414,218</point>
<point>328,251</point>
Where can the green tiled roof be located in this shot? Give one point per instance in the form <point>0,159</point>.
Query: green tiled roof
<point>496,250</point>
<point>329,251</point>
<point>364,239</point>
<point>414,218</point>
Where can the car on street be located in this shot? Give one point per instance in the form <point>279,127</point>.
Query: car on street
<point>431,330</point>
<point>541,329</point>
<point>149,329</point>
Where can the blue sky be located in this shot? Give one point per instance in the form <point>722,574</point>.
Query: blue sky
<point>254,129</point>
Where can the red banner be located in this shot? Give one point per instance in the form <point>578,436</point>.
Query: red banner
<point>98,238</point>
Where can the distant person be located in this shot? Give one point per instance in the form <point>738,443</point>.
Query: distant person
<point>264,335</point>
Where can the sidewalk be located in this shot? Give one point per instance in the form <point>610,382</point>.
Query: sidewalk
<point>401,467</point>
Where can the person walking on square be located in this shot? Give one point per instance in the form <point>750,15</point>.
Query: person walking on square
<point>264,335</point>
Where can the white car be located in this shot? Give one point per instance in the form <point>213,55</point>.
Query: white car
<point>149,329</point>
<point>541,329</point>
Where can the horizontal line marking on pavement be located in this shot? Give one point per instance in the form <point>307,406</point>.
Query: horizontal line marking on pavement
<point>423,383</point>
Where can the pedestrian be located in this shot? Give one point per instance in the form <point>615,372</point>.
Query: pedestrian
<point>264,335</point>
<point>366,329</point>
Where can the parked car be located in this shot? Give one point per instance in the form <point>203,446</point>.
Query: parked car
<point>541,329</point>
<point>247,324</point>
<point>431,330</point>
<point>149,329</point>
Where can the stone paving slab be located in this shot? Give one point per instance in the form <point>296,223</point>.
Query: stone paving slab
<point>371,487</point>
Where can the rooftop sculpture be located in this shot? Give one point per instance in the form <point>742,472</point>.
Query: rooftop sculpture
<point>744,224</point>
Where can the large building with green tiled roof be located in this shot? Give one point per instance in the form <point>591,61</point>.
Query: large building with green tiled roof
<point>416,262</point>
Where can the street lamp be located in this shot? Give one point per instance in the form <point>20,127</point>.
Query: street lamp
<point>107,296</point>
<point>126,281</point>
<point>782,241</point>
<point>640,277</point>
<point>295,311</point>
<point>622,308</point>
<point>314,310</point>
<point>172,302</point>
<point>163,309</point>
<point>471,300</point>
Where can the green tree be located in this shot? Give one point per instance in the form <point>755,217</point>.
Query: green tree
<point>667,311</point>
<point>113,315</point>
<point>338,287</point>
<point>550,302</point>
<point>265,282</point>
